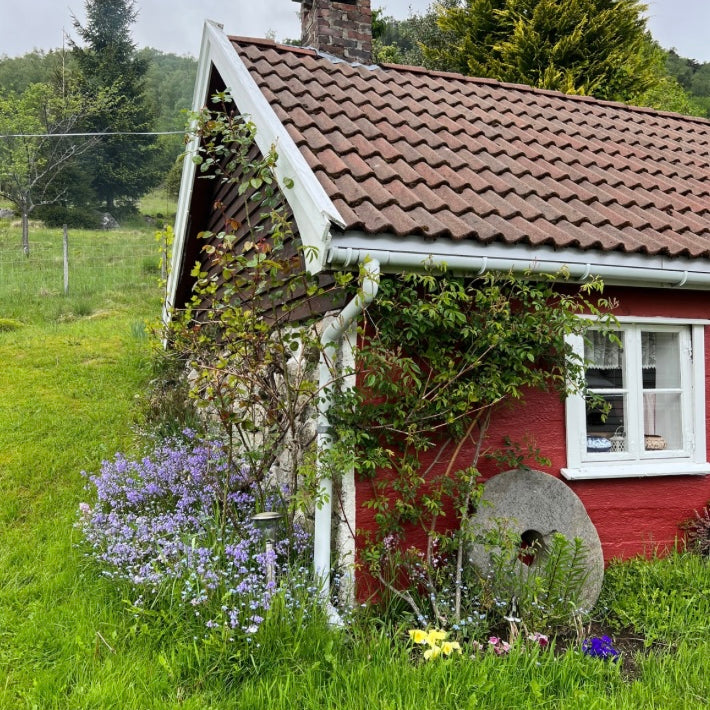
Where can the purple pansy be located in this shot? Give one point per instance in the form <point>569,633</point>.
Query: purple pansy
<point>600,647</point>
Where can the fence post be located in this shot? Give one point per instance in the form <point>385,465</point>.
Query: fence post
<point>164,260</point>
<point>65,242</point>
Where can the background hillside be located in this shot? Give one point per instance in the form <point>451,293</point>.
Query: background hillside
<point>693,76</point>
<point>168,87</point>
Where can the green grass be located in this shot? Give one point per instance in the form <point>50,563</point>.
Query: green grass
<point>668,600</point>
<point>71,367</point>
<point>384,677</point>
<point>106,271</point>
<point>159,205</point>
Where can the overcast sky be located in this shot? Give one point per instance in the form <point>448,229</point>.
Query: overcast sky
<point>176,25</point>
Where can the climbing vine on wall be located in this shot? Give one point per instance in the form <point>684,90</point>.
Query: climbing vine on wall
<point>247,337</point>
<point>439,357</point>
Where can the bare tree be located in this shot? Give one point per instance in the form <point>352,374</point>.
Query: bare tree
<point>37,146</point>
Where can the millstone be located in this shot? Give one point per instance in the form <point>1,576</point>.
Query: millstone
<point>534,506</point>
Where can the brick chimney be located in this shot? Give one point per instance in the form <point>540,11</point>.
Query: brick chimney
<point>343,28</point>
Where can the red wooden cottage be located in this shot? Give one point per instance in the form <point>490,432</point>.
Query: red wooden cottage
<point>400,165</point>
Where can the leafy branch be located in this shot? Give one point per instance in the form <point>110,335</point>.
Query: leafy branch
<point>439,357</point>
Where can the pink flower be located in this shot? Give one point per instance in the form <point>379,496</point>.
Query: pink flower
<point>541,639</point>
<point>499,646</point>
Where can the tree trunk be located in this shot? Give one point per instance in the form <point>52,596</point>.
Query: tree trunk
<point>25,233</point>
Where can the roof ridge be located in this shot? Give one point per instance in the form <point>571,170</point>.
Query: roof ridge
<point>297,49</point>
<point>386,66</point>
<point>585,98</point>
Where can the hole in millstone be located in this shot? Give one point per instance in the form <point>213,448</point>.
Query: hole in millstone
<point>532,546</point>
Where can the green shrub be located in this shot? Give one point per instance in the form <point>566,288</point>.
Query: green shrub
<point>544,595</point>
<point>165,408</point>
<point>73,217</point>
<point>698,532</point>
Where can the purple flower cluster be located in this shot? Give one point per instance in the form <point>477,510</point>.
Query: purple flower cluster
<point>599,647</point>
<point>180,519</point>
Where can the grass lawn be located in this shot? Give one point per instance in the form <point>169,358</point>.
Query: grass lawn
<point>71,369</point>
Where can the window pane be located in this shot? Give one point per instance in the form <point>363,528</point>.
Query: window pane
<point>605,369</point>
<point>660,356</point>
<point>662,421</point>
<point>605,429</point>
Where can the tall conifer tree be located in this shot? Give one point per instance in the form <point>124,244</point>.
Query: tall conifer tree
<point>595,47</point>
<point>123,167</point>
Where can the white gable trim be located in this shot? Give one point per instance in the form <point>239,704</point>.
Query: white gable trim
<point>314,212</point>
<point>182,215</point>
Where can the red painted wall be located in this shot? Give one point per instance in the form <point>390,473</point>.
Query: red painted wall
<point>632,515</point>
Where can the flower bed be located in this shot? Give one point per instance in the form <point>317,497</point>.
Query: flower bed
<point>177,525</point>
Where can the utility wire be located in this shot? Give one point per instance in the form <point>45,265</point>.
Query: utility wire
<point>107,133</point>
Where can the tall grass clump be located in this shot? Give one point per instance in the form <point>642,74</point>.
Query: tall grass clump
<point>664,600</point>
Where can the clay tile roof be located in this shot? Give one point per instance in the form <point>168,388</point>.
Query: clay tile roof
<point>407,151</point>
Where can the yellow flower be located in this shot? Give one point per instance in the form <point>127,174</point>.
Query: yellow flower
<point>434,636</point>
<point>431,653</point>
<point>448,647</point>
<point>418,635</point>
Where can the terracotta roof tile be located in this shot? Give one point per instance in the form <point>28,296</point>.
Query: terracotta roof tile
<point>564,189</point>
<point>346,212</point>
<point>407,151</point>
<point>403,222</point>
<point>695,225</point>
<point>371,218</point>
<point>297,116</point>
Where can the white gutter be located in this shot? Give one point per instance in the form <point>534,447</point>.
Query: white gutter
<point>327,373</point>
<point>635,270</point>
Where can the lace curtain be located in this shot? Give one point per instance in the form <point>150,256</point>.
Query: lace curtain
<point>604,354</point>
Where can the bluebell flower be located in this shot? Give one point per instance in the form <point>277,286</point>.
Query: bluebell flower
<point>157,522</point>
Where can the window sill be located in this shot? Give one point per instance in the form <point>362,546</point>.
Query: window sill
<point>641,469</point>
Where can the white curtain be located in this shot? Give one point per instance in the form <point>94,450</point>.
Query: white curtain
<point>604,354</point>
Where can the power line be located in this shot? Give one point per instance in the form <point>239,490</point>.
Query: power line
<point>106,133</point>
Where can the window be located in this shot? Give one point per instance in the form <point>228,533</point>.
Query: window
<point>646,415</point>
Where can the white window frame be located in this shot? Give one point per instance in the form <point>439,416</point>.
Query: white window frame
<point>637,462</point>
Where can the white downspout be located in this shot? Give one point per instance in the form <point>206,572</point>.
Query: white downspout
<point>327,374</point>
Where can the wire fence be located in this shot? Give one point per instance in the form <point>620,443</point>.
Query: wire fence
<point>82,263</point>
